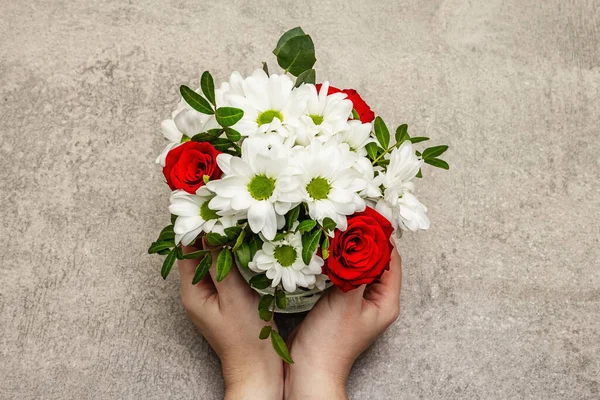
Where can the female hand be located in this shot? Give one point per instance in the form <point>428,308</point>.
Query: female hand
<point>226,314</point>
<point>339,328</point>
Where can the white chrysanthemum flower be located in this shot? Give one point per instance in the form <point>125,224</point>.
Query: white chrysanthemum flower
<point>259,186</point>
<point>195,216</point>
<point>325,115</point>
<point>330,183</point>
<point>366,170</point>
<point>406,212</point>
<point>270,104</point>
<point>282,262</point>
<point>184,123</point>
<point>358,135</point>
<point>403,167</point>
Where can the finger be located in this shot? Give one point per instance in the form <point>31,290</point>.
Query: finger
<point>386,292</point>
<point>232,286</point>
<point>187,268</point>
<point>338,299</point>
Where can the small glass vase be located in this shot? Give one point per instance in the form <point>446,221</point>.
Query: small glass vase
<point>297,302</point>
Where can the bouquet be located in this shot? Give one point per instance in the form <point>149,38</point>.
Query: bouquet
<point>298,184</point>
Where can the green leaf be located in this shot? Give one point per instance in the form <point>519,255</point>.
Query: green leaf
<point>173,218</point>
<point>208,87</point>
<point>168,264</point>
<point>221,144</point>
<point>328,224</point>
<point>355,114</point>
<point>325,254</point>
<point>196,101</point>
<point>228,116</point>
<point>264,332</point>
<point>297,31</point>
<point>264,307</point>
<point>280,347</point>
<point>308,76</point>
<point>215,239</point>
<point>295,52</point>
<point>166,233</point>
<point>306,225</point>
<point>436,162</point>
<point>310,242</point>
<point>418,139</point>
<point>401,134</point>
<point>419,174</point>
<point>162,245</point>
<point>239,240</point>
<point>255,245</point>
<point>202,268</point>
<point>232,134</point>
<point>179,252</point>
<point>292,217</point>
<point>244,255</point>
<point>279,236</point>
<point>163,252</point>
<point>382,133</point>
<point>433,152</point>
<point>233,232</point>
<point>195,254</point>
<point>206,136</point>
<point>266,68</point>
<point>260,281</point>
<point>280,299</point>
<point>372,150</point>
<point>224,263</point>
<point>325,244</point>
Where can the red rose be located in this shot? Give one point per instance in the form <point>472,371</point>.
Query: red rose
<point>187,164</point>
<point>361,253</point>
<point>364,111</point>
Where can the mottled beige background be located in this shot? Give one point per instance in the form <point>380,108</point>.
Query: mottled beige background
<point>501,297</point>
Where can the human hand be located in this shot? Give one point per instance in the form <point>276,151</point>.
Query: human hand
<point>225,313</point>
<point>339,328</point>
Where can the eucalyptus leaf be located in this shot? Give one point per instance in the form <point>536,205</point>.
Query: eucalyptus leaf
<point>224,263</point>
<point>310,242</point>
<point>202,268</point>
<point>260,281</point>
<point>280,347</point>
<point>382,133</point>
<point>265,332</point>
<point>168,264</point>
<point>433,152</point>
<point>436,162</point>
<point>228,116</point>
<point>297,31</point>
<point>296,54</point>
<point>196,101</point>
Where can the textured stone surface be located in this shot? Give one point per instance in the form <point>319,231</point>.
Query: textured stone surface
<point>501,297</point>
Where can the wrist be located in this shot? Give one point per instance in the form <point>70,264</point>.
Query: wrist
<point>314,383</point>
<point>257,380</point>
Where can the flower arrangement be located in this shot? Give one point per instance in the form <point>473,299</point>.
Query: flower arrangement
<point>299,183</point>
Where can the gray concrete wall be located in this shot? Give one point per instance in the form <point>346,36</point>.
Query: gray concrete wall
<point>501,297</point>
